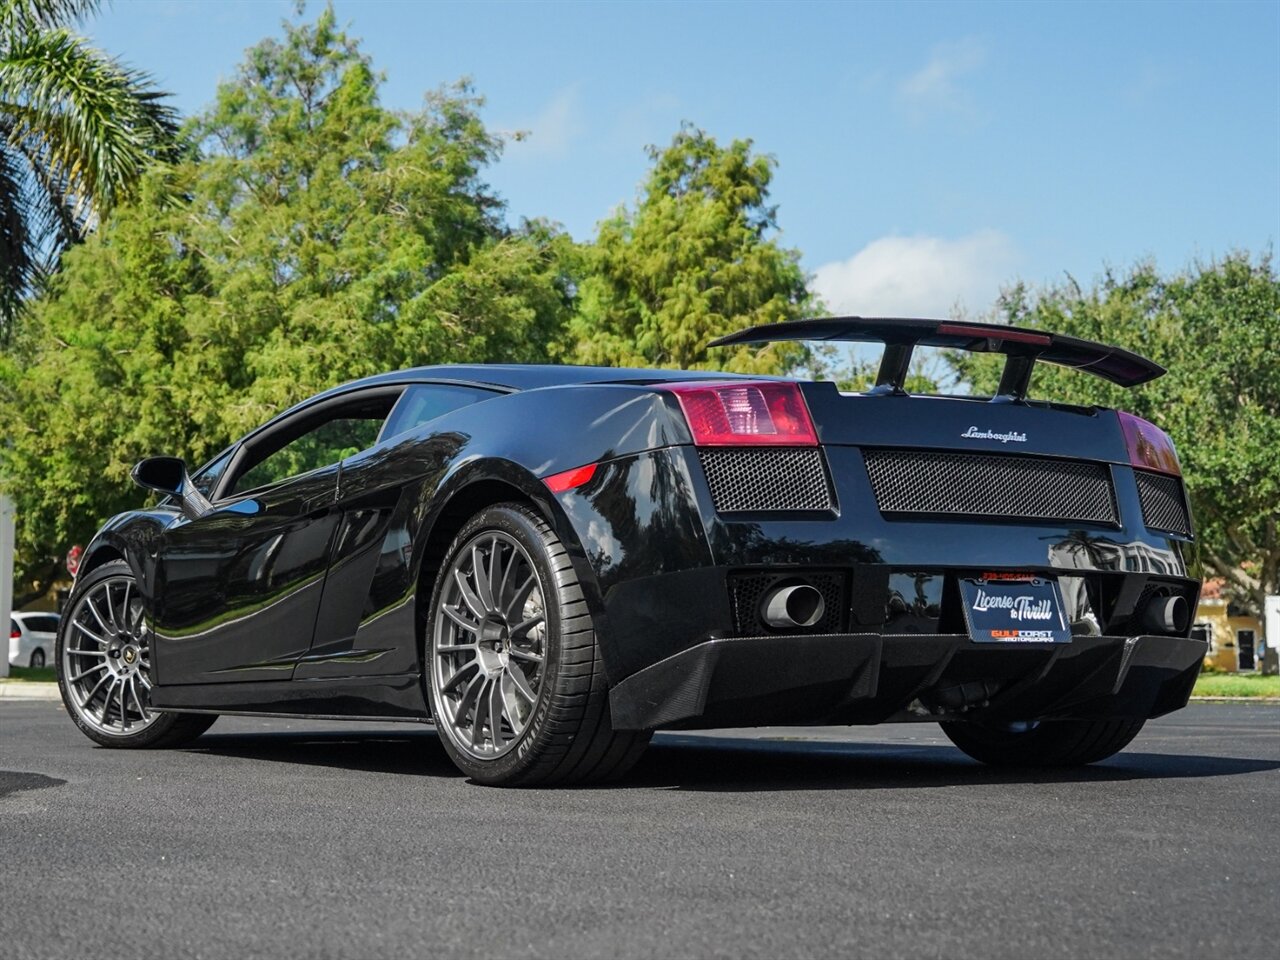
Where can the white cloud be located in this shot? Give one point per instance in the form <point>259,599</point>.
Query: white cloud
<point>936,84</point>
<point>918,276</point>
<point>553,130</point>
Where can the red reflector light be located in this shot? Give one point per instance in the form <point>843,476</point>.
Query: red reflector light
<point>746,413</point>
<point>560,482</point>
<point>1014,336</point>
<point>1149,447</point>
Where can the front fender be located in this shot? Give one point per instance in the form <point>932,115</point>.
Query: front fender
<point>131,537</point>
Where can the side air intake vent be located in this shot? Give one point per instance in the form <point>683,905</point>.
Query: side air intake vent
<point>1164,504</point>
<point>771,478</point>
<point>992,486</point>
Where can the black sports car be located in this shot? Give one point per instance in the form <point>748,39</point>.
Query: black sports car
<point>552,562</point>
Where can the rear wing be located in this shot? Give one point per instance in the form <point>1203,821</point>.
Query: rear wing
<point>1021,348</point>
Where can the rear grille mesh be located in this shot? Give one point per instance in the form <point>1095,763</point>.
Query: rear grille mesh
<point>991,485</point>
<point>767,478</point>
<point>1164,505</point>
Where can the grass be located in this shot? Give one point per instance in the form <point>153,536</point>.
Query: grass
<point>36,674</point>
<point>1237,685</point>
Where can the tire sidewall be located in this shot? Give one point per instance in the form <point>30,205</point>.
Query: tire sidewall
<point>522,525</point>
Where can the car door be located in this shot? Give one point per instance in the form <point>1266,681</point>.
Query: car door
<point>365,623</point>
<point>237,590</point>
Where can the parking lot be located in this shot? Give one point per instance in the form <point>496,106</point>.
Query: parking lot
<point>292,838</point>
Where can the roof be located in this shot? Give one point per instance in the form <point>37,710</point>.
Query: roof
<point>531,376</point>
<point>510,377</point>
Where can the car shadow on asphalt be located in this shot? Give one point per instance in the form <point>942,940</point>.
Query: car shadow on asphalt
<point>730,764</point>
<point>414,751</point>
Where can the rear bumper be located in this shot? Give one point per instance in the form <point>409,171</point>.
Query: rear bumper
<point>871,678</point>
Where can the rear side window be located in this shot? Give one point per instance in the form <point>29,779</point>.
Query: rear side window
<point>43,624</point>
<point>424,402</point>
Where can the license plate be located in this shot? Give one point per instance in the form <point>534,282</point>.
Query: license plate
<point>1000,608</point>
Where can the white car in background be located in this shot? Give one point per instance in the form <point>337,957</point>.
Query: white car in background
<point>31,639</point>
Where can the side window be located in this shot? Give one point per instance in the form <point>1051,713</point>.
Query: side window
<point>44,624</point>
<point>426,401</point>
<point>207,477</point>
<point>328,443</point>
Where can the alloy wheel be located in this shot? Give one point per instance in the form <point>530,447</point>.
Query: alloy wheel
<point>488,646</point>
<point>106,659</point>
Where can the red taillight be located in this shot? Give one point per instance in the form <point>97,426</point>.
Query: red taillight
<point>1149,447</point>
<point>746,413</point>
<point>15,634</point>
<point>560,482</point>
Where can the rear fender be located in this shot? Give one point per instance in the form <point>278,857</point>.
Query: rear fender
<point>477,483</point>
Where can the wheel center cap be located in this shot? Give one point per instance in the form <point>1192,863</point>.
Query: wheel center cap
<point>495,640</point>
<point>494,631</point>
<point>130,655</point>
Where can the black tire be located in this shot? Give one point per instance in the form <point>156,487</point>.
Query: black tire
<point>161,730</point>
<point>569,738</point>
<point>1050,743</point>
<point>37,658</point>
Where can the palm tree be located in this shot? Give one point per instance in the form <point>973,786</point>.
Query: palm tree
<point>77,130</point>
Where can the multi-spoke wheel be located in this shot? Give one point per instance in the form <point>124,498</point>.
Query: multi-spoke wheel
<point>489,645</point>
<point>104,665</point>
<point>514,676</point>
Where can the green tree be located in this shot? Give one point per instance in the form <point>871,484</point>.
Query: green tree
<point>77,131</point>
<point>1216,328</point>
<point>857,374</point>
<point>698,258</point>
<point>323,237</point>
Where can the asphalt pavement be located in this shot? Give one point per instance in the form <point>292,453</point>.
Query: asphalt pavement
<point>304,839</point>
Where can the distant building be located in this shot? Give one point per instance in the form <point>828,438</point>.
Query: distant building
<point>1235,638</point>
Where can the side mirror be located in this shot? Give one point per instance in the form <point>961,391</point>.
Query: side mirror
<point>169,475</point>
<point>166,474</point>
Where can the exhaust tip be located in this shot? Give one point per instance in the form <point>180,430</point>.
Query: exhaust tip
<point>797,605</point>
<point>1167,615</point>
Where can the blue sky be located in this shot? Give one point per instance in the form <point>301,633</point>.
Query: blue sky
<point>927,153</point>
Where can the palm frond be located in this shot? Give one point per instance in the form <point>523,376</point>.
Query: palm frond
<point>23,16</point>
<point>18,269</point>
<point>54,219</point>
<point>96,123</point>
